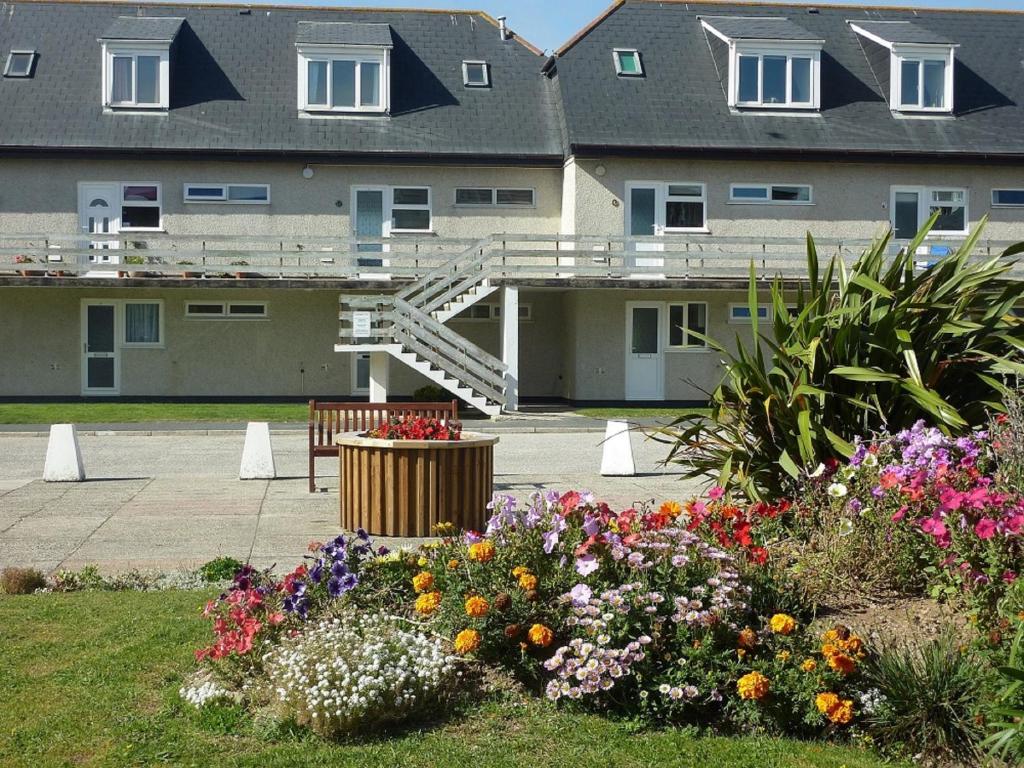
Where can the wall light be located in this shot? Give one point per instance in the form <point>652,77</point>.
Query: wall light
<point>307,172</point>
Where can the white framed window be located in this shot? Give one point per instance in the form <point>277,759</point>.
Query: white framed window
<point>924,83</point>
<point>344,79</point>
<point>658,207</point>
<point>143,323</point>
<point>504,197</point>
<point>911,207</point>
<point>489,312</point>
<point>237,194</point>
<point>20,63</point>
<point>361,373</point>
<point>628,62</point>
<point>410,209</point>
<point>767,194</point>
<point>136,76</point>
<point>685,207</point>
<point>740,313</point>
<point>1008,198</point>
<point>684,317</point>
<point>776,78</point>
<point>476,74</point>
<point>226,310</point>
<point>141,207</point>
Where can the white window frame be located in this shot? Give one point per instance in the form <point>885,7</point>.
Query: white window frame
<point>160,343</point>
<point>158,204</point>
<point>225,313</point>
<point>769,188</point>
<point>616,57</point>
<point>919,55</point>
<point>699,344</point>
<point>734,320</point>
<point>924,204</point>
<point>466,64</point>
<point>494,197</point>
<point>391,206</point>
<point>33,57</point>
<point>996,190</point>
<point>134,50</point>
<point>225,197</point>
<point>790,51</point>
<point>358,54</point>
<point>663,198</point>
<point>492,312</point>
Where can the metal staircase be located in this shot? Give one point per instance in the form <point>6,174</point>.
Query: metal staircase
<point>410,326</point>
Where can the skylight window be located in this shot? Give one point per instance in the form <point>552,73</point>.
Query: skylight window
<point>20,64</point>
<point>627,62</point>
<point>476,74</point>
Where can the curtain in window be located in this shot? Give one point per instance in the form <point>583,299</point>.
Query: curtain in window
<point>142,323</point>
<point>122,86</point>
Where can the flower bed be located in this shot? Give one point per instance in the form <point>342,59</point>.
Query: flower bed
<point>418,428</point>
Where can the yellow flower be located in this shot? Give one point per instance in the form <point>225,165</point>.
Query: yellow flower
<point>835,709</point>
<point>528,581</point>
<point>753,685</point>
<point>422,562</point>
<point>540,635</point>
<point>481,551</point>
<point>453,564</point>
<point>477,606</point>
<point>782,656</point>
<point>782,624</point>
<point>428,602</point>
<point>444,529</point>
<point>467,641</point>
<point>519,570</point>
<point>809,665</point>
<point>740,653</point>
<point>840,662</point>
<point>423,581</point>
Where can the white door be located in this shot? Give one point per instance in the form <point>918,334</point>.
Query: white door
<point>101,364</point>
<point>645,218</point>
<point>645,372</point>
<point>370,219</point>
<point>98,215</point>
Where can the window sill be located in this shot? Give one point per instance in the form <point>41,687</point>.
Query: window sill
<point>769,202</point>
<point>142,345</point>
<point>688,350</point>
<point>160,230</point>
<point>430,232</point>
<point>698,231</point>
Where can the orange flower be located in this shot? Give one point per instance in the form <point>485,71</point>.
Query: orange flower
<point>428,602</point>
<point>423,581</point>
<point>840,662</point>
<point>809,665</point>
<point>835,709</point>
<point>782,624</point>
<point>528,581</point>
<point>747,639</point>
<point>453,564</point>
<point>482,551</point>
<point>467,641</point>
<point>670,508</point>
<point>477,607</point>
<point>753,685</point>
<point>519,570</point>
<point>540,635</point>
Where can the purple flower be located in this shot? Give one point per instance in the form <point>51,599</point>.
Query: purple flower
<point>581,595</point>
<point>551,537</point>
<point>382,550</point>
<point>337,586</point>
<point>586,565</point>
<point>591,525</point>
<point>338,569</point>
<point>316,573</point>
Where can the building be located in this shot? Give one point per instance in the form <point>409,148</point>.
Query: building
<point>203,201</point>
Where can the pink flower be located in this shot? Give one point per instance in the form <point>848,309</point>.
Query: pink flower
<point>899,514</point>
<point>985,528</point>
<point>586,565</point>
<point>1014,523</point>
<point>716,493</point>
<point>1009,577</point>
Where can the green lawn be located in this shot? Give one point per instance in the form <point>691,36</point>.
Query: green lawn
<point>91,679</point>
<point>640,413</point>
<point>101,413</point>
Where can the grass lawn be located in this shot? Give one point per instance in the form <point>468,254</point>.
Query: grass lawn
<point>119,413</point>
<point>640,413</point>
<point>92,678</point>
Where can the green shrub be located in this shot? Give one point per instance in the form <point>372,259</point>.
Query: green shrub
<point>430,394</point>
<point>220,569</point>
<point>928,699</point>
<point>21,581</point>
<point>877,345</point>
<point>1006,741</point>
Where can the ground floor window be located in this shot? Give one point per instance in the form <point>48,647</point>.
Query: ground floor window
<point>685,319</point>
<point>143,322</point>
<point>913,206</point>
<point>220,310</point>
<point>140,206</point>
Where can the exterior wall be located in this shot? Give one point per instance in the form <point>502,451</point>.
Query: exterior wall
<point>851,200</point>
<point>47,196</point>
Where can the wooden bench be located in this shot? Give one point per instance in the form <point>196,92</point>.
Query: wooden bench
<point>329,419</point>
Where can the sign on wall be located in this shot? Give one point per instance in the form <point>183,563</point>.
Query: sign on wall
<point>361,327</point>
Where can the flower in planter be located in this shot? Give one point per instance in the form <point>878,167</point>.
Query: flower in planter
<point>481,551</point>
<point>428,602</point>
<point>540,635</point>
<point>753,686</point>
<point>782,624</point>
<point>467,641</point>
<point>423,581</point>
<point>477,607</point>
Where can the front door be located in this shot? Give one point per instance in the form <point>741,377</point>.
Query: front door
<point>101,367</point>
<point>645,374</point>
<point>643,220</point>
<point>98,215</point>
<point>370,222</point>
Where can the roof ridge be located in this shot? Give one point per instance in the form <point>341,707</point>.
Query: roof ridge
<point>828,5</point>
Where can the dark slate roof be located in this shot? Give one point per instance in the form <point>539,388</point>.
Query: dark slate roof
<point>234,85</point>
<point>759,28</point>
<point>680,105</point>
<point>902,32</point>
<point>343,33</point>
<point>143,28</point>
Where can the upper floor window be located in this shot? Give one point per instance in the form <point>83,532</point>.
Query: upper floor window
<point>476,74</point>
<point>344,67</point>
<point>627,62</point>
<point>245,194</point>
<point>920,76</point>
<point>480,197</point>
<point>770,193</point>
<point>136,62</point>
<point>141,207</point>
<point>772,62</point>
<point>20,64</point>
<point>1008,198</point>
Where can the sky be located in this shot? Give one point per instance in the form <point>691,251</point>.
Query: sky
<point>549,23</point>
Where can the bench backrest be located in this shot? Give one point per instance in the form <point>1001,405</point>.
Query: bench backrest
<point>328,419</point>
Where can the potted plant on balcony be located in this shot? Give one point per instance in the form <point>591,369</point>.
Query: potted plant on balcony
<point>23,259</point>
<point>187,274</point>
<point>407,475</point>
<point>243,275</point>
<point>132,259</point>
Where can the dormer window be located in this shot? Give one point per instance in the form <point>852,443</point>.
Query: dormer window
<point>627,62</point>
<point>343,67</point>
<point>20,64</point>
<point>136,62</point>
<point>476,74</point>
<point>772,63</point>
<point>920,76</point>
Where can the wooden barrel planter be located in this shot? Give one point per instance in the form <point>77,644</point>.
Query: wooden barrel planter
<point>406,487</point>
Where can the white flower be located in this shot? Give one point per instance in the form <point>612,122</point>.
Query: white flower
<point>837,490</point>
<point>818,471</point>
<point>869,460</point>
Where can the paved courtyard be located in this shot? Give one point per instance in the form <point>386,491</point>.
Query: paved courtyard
<point>168,501</point>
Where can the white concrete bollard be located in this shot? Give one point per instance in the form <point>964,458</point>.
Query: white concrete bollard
<point>257,455</point>
<point>63,456</point>
<point>617,458</point>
